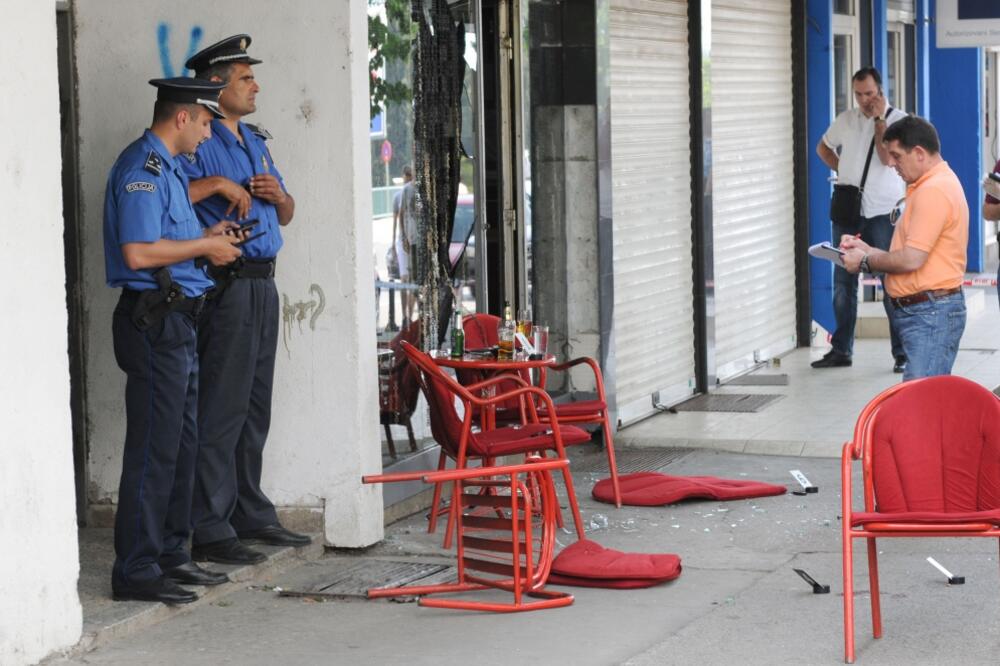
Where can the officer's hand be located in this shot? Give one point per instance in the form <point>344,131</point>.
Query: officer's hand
<point>238,198</point>
<point>222,227</point>
<point>222,250</point>
<point>852,259</point>
<point>265,186</point>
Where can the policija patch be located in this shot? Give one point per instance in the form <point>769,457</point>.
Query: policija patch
<point>140,186</point>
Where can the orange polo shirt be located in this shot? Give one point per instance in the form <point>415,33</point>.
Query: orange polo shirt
<point>936,221</point>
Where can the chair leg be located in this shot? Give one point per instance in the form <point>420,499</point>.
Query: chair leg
<point>436,502</point>
<point>848,598</point>
<point>574,507</point>
<point>610,446</point>
<point>392,445</point>
<point>873,583</point>
<point>409,433</point>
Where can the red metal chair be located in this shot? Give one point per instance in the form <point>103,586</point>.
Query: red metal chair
<point>511,551</point>
<point>398,389</point>
<point>481,331</point>
<point>930,458</point>
<point>458,442</point>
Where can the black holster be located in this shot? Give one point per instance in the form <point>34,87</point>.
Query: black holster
<point>154,305</point>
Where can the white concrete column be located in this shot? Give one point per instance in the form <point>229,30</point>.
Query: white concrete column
<point>314,101</point>
<point>39,565</point>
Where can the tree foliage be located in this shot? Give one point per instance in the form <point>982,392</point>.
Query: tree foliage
<point>389,42</point>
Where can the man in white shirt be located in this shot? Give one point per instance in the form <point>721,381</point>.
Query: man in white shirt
<point>844,148</point>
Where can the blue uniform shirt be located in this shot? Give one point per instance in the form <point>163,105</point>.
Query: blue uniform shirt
<point>146,200</point>
<point>223,155</point>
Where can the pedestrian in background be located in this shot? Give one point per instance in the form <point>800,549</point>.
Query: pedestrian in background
<point>853,147</point>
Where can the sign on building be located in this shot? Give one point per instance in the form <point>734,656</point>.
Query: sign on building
<point>964,23</point>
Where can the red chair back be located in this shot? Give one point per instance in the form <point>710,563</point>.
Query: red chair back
<point>440,390</point>
<point>936,447</point>
<point>481,331</point>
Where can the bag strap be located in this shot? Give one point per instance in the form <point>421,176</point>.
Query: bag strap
<point>871,150</point>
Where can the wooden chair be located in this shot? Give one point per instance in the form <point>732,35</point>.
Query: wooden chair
<point>511,550</point>
<point>453,431</point>
<point>930,459</point>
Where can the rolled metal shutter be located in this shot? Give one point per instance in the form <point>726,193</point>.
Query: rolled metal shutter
<point>753,215</point>
<point>651,204</point>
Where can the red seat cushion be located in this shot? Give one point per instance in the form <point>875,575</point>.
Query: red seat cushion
<point>656,489</point>
<point>578,408</point>
<point>589,564</point>
<point>928,517</point>
<point>531,437</point>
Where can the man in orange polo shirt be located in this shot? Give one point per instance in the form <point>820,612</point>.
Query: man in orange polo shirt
<point>925,264</point>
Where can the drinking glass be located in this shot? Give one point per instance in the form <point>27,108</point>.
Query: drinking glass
<point>540,333</point>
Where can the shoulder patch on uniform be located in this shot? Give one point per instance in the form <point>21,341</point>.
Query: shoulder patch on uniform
<point>153,163</point>
<point>190,157</point>
<point>259,131</point>
<point>140,186</point>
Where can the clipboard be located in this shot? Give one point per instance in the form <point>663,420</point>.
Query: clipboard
<point>827,251</point>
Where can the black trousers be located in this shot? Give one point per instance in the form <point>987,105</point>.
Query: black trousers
<point>153,521</point>
<point>237,343</point>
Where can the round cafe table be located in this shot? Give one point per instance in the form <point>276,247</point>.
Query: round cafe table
<point>489,367</point>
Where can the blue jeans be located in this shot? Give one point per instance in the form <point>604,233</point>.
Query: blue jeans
<point>877,232</point>
<point>930,333</point>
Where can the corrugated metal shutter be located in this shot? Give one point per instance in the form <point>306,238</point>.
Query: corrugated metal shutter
<point>651,203</point>
<point>753,218</point>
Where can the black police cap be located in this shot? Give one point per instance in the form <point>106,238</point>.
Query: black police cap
<point>230,49</point>
<point>187,90</point>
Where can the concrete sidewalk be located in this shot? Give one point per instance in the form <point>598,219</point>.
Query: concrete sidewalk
<point>738,600</point>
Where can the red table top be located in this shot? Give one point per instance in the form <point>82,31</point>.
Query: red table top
<point>488,363</point>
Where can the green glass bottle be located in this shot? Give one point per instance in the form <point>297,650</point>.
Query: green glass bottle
<point>457,337</point>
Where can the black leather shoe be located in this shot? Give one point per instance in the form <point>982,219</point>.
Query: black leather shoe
<point>190,573</point>
<point>275,535</point>
<point>162,589</point>
<point>833,359</point>
<point>228,551</point>
<point>900,365</point>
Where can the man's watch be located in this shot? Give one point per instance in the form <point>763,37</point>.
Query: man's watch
<point>865,268</point>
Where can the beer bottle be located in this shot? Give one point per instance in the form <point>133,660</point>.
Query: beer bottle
<point>505,334</point>
<point>457,337</point>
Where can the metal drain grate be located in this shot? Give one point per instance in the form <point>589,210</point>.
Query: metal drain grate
<point>758,380</point>
<point>629,460</point>
<point>727,402</point>
<point>356,579</point>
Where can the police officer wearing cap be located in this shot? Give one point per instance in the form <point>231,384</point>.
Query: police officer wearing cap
<point>151,238</point>
<point>233,177</point>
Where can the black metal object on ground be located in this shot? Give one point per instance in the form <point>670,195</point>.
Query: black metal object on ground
<point>357,578</point>
<point>727,402</point>
<point>628,460</point>
<point>759,380</point>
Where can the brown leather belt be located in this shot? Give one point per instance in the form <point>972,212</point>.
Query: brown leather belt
<point>922,296</point>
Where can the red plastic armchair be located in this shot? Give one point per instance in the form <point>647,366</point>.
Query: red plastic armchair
<point>481,331</point>
<point>458,442</point>
<point>397,387</point>
<point>930,458</point>
<point>511,549</point>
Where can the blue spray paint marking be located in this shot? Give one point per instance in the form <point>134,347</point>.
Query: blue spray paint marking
<point>163,42</point>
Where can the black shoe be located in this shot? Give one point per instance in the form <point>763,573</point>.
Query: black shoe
<point>228,551</point>
<point>161,589</point>
<point>190,573</point>
<point>833,359</point>
<point>900,365</point>
<point>275,535</point>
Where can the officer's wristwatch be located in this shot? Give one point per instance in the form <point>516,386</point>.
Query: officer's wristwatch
<point>865,268</point>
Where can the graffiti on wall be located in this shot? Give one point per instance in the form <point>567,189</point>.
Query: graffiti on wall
<point>294,314</point>
<point>163,42</point>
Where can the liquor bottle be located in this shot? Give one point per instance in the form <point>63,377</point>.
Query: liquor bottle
<point>457,337</point>
<point>505,334</point>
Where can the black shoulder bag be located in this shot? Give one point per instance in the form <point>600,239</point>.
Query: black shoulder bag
<point>845,206</point>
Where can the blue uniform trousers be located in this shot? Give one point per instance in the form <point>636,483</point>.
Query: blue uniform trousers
<point>153,521</point>
<point>237,343</point>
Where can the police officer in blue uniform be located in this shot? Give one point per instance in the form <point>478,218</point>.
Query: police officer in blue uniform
<point>151,238</point>
<point>233,177</point>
